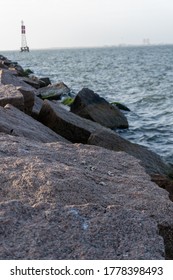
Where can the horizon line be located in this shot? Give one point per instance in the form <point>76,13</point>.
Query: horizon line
<point>90,47</point>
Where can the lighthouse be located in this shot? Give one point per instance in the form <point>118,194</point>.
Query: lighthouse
<point>24,47</point>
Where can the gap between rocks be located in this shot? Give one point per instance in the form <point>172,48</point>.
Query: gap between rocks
<point>164,183</point>
<point>167,233</point>
<point>164,230</point>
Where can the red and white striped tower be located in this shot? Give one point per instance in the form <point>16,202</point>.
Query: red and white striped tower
<point>24,47</point>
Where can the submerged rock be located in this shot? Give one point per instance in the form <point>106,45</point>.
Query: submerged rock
<point>67,101</point>
<point>120,106</point>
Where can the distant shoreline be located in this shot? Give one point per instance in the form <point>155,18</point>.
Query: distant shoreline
<point>95,47</point>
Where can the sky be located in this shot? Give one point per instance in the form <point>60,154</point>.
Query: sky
<point>85,23</point>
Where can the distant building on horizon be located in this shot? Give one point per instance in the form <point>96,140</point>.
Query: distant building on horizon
<point>146,42</point>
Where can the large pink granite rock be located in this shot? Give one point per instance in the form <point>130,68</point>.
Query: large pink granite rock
<point>66,201</point>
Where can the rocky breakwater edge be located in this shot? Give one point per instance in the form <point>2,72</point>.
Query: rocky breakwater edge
<point>71,187</point>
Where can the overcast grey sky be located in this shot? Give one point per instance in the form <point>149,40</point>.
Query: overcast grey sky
<point>78,23</point>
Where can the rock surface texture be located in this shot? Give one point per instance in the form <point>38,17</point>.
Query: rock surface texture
<point>151,161</point>
<point>11,95</point>
<point>79,130</point>
<point>15,122</point>
<point>8,77</point>
<point>64,201</point>
<point>53,92</point>
<point>67,124</point>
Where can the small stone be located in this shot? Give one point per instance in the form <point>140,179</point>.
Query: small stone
<point>92,168</point>
<point>102,183</point>
<point>110,173</point>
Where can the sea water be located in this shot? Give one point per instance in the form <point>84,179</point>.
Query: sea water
<point>139,77</point>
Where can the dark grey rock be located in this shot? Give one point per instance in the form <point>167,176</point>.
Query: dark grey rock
<point>80,130</point>
<point>15,122</point>
<point>54,91</point>
<point>152,162</point>
<point>44,82</point>
<point>90,105</point>
<point>38,103</point>
<point>67,124</point>
<point>8,77</point>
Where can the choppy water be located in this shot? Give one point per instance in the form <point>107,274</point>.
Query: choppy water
<point>139,77</point>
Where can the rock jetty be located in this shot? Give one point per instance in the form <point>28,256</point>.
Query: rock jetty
<point>72,188</point>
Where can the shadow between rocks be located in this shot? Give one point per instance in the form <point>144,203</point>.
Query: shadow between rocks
<point>167,233</point>
<point>164,183</point>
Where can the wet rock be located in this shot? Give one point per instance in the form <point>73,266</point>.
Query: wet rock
<point>27,72</point>
<point>44,82</point>
<point>67,101</point>
<point>53,92</point>
<point>120,106</point>
<point>90,105</point>
<point>15,122</point>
